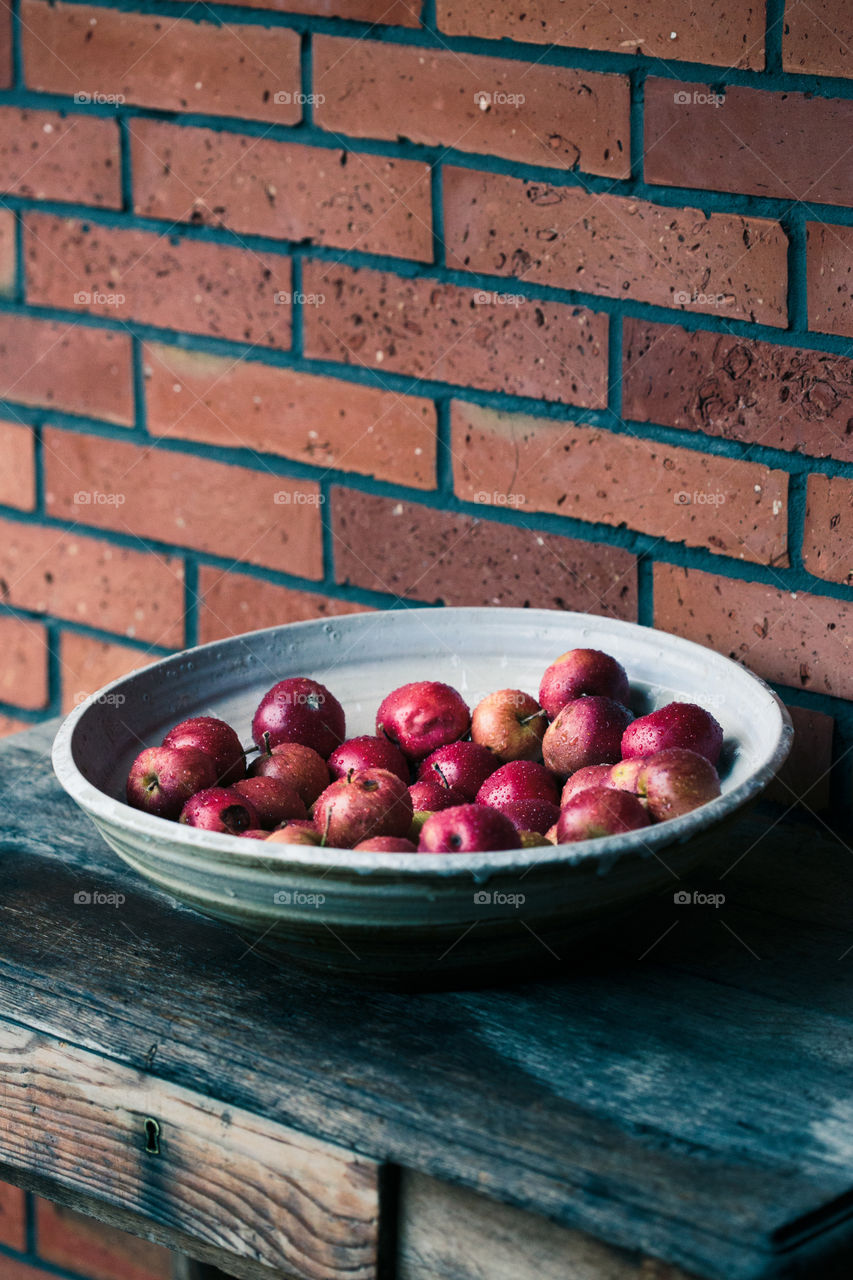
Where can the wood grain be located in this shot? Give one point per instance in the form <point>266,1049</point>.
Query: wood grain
<point>235,1180</point>
<point>679,1092</point>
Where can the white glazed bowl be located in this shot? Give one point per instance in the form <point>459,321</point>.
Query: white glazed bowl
<point>406,918</point>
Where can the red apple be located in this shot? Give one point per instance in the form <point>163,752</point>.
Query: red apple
<point>582,672</point>
<point>422,716</point>
<point>551,834</point>
<point>386,844</point>
<point>162,779</point>
<point>623,775</point>
<point>511,724</point>
<point>429,793</point>
<point>597,812</point>
<point>676,781</point>
<point>367,802</point>
<point>680,724</point>
<point>220,809</point>
<point>254,833</point>
<point>592,775</point>
<point>368,752</point>
<point>468,828</point>
<point>462,765</point>
<point>519,780</point>
<point>586,731</point>
<point>531,815</point>
<point>216,739</point>
<point>295,764</point>
<point>273,800</point>
<point>299,710</point>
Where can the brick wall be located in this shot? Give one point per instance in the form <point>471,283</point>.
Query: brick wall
<point>323,305</point>
<point>542,304</point>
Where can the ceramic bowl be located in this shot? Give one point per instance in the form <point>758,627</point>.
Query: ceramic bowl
<point>409,919</point>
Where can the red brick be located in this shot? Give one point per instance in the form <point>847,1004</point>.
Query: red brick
<point>830,278</point>
<point>784,145</point>
<point>189,285</point>
<point>18,473</point>
<point>535,464</point>
<point>86,665</point>
<point>13,1230</point>
<point>398,13</point>
<point>573,239</point>
<point>321,421</point>
<point>818,37</point>
<point>717,32</point>
<point>8,270</point>
<point>168,64</point>
<point>23,669</point>
<point>233,603</point>
<point>565,118</point>
<point>47,157</point>
<point>441,557</point>
<point>95,1250</point>
<point>828,533</point>
<point>260,187</point>
<point>91,581</point>
<point>805,776</point>
<point>6,68</point>
<point>782,397</point>
<point>55,365</point>
<point>495,341</point>
<point>791,637</point>
<point>179,498</point>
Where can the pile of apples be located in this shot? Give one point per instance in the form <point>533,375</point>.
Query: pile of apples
<point>436,777</point>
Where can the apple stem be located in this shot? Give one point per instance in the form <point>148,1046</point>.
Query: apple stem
<point>325,835</point>
<point>534,716</point>
<point>152,785</point>
<point>441,775</point>
<point>265,739</point>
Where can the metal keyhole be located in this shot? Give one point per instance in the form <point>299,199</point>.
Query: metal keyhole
<point>152,1137</point>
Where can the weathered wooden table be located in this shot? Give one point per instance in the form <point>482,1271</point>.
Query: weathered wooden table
<point>681,1105</point>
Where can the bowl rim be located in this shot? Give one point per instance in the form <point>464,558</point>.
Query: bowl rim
<point>224,850</point>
